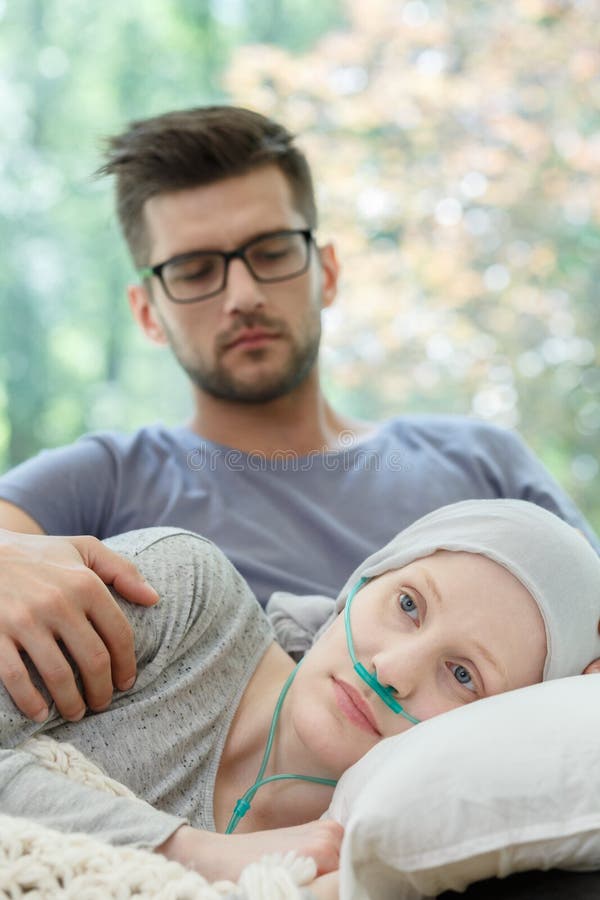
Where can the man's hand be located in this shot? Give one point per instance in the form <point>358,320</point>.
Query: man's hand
<point>54,589</point>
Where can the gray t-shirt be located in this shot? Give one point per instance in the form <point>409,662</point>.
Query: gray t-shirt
<point>196,651</point>
<point>297,524</point>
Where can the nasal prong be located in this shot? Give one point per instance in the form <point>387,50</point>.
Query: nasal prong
<point>386,693</point>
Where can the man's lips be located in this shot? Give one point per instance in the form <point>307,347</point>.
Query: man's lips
<point>355,707</point>
<point>251,337</point>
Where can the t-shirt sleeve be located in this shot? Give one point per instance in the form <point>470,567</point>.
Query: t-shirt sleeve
<point>521,475</point>
<point>197,586</point>
<point>70,490</point>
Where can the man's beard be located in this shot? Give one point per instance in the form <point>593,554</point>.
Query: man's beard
<point>223,384</point>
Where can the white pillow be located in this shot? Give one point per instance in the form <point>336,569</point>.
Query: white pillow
<point>502,785</point>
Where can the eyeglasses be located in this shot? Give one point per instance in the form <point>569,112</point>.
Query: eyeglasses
<point>191,277</point>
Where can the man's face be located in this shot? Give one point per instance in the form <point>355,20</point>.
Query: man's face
<point>252,342</point>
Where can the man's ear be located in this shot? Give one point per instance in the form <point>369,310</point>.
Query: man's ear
<point>145,314</point>
<point>331,273</point>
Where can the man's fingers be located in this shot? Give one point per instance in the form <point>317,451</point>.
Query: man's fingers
<point>115,570</point>
<point>56,673</point>
<point>17,682</point>
<point>53,590</point>
<point>104,653</point>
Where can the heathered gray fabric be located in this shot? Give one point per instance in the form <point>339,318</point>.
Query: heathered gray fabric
<point>196,651</point>
<point>294,523</point>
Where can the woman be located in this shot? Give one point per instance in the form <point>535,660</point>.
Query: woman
<point>473,599</point>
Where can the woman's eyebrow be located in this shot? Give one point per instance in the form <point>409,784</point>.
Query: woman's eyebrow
<point>491,660</point>
<point>431,584</point>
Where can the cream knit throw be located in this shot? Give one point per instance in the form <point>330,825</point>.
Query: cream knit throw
<point>39,863</point>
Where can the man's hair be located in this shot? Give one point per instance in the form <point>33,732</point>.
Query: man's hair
<point>194,147</point>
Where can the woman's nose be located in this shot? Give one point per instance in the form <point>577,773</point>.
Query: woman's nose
<point>401,668</point>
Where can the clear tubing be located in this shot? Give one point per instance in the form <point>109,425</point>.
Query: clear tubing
<point>385,693</point>
<point>243,804</point>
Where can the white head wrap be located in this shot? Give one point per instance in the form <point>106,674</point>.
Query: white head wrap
<point>553,560</point>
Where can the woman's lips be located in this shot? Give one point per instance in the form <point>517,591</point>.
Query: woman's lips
<point>354,707</point>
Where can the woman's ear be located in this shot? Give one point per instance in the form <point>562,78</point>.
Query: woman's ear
<point>593,668</point>
<point>145,314</point>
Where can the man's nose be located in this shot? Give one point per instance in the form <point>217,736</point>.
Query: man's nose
<point>242,292</point>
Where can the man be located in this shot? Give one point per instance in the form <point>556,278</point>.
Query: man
<point>218,209</point>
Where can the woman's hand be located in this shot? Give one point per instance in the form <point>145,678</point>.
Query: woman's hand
<point>218,856</point>
<point>327,887</point>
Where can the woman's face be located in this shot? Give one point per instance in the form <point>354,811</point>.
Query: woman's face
<point>443,631</point>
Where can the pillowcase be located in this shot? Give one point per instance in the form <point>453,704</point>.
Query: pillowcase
<point>502,785</point>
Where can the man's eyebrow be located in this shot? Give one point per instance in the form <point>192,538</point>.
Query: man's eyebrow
<point>483,651</point>
<point>263,232</point>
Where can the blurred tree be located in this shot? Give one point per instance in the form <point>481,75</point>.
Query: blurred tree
<point>457,151</point>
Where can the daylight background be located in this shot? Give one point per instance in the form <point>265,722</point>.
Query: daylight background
<point>456,147</point>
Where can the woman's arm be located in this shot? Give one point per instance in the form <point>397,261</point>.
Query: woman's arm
<point>182,572</point>
<point>218,856</point>
<point>327,887</point>
<point>29,790</point>
<point>206,613</point>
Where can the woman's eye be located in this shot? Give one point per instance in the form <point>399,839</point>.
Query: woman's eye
<point>408,605</point>
<point>463,676</point>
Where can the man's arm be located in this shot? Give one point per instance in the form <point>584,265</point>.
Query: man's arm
<point>48,598</point>
<point>521,474</point>
<point>54,589</point>
<point>15,519</point>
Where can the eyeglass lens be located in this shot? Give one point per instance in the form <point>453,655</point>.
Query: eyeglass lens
<point>270,258</point>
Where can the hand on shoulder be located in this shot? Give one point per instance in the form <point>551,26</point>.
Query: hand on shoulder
<point>53,589</point>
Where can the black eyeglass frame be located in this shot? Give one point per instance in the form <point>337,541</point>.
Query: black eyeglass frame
<point>227,255</point>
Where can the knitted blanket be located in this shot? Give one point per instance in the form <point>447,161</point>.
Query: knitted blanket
<point>41,863</point>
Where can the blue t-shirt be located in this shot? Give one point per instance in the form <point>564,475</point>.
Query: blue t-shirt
<point>299,524</point>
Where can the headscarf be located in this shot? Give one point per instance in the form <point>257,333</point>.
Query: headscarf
<point>553,560</point>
